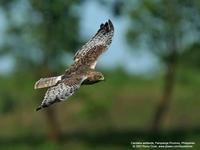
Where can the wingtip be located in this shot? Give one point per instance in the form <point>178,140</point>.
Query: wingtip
<point>110,24</point>
<point>41,107</point>
<point>38,108</point>
<point>107,23</point>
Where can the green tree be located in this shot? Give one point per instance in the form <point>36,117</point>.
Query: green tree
<point>39,35</point>
<point>167,28</point>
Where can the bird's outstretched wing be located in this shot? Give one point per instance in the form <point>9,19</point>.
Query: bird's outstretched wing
<point>61,91</point>
<point>90,52</point>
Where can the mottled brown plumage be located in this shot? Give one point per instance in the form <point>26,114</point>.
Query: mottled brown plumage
<point>81,72</point>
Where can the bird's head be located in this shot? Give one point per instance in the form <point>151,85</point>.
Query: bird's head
<point>93,77</point>
<point>98,76</point>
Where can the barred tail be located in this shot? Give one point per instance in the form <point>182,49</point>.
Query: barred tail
<point>47,82</point>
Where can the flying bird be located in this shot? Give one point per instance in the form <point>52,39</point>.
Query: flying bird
<point>82,71</point>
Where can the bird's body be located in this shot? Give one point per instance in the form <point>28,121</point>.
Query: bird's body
<point>82,71</point>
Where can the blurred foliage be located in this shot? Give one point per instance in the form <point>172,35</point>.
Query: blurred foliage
<point>7,103</point>
<point>166,28</point>
<point>41,35</point>
<point>47,30</point>
<point>159,24</point>
<point>190,57</point>
<point>133,103</point>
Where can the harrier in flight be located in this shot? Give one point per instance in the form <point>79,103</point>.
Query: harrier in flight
<point>82,71</point>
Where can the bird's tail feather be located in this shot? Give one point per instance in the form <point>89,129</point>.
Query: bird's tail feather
<point>47,82</point>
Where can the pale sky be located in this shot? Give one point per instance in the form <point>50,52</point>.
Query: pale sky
<point>93,14</point>
<point>119,53</point>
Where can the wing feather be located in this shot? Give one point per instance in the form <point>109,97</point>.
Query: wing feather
<point>47,82</point>
<point>61,92</point>
<point>100,41</point>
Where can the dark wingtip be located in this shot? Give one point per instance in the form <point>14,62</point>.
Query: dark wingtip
<point>38,108</point>
<point>109,21</point>
<point>108,25</point>
<point>101,26</point>
<point>41,106</point>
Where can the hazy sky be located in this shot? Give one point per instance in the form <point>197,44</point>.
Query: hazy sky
<point>93,14</point>
<point>119,53</point>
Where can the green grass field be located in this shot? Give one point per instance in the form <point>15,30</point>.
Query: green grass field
<point>108,115</point>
